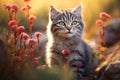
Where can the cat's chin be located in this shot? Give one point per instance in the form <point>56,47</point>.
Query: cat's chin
<point>65,34</point>
<point>69,35</point>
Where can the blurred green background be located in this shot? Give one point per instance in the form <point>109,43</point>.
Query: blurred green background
<point>40,8</point>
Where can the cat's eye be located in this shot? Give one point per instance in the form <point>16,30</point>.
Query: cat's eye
<point>74,23</point>
<point>62,23</point>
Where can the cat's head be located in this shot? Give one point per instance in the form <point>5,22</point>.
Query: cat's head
<point>66,23</point>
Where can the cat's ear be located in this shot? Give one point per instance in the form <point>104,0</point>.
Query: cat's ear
<point>77,11</point>
<point>53,12</point>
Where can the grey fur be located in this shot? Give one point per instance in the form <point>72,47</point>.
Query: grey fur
<point>64,31</point>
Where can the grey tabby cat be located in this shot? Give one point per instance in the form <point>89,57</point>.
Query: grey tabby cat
<point>64,31</point>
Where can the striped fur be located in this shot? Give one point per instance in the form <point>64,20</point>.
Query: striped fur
<point>67,19</point>
<point>64,31</point>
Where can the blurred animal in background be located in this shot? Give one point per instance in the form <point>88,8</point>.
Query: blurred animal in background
<point>112,33</point>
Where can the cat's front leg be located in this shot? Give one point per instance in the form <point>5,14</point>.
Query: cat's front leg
<point>78,65</point>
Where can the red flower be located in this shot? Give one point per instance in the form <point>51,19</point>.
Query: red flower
<point>20,28</point>
<point>26,0</point>
<point>36,61</point>
<point>32,18</point>
<point>31,41</point>
<point>14,27</point>
<point>17,59</point>
<point>65,52</point>
<point>24,35</point>
<point>7,6</point>
<point>37,34</point>
<point>79,65</point>
<point>24,8</point>
<point>100,22</point>
<point>12,22</point>
<point>15,7</point>
<point>28,6</point>
<point>104,15</point>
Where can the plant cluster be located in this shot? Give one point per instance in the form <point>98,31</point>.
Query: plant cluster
<point>21,45</point>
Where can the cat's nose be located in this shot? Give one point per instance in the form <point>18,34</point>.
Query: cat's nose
<point>69,28</point>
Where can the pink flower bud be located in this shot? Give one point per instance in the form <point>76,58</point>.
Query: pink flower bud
<point>26,0</point>
<point>100,22</point>
<point>32,18</point>
<point>31,41</point>
<point>14,27</point>
<point>20,28</point>
<point>65,52</point>
<point>35,61</point>
<point>29,7</point>
<point>15,7</point>
<point>79,65</point>
<point>37,34</point>
<point>12,22</point>
<point>17,59</point>
<point>7,6</point>
<point>24,8</point>
<point>104,15</point>
<point>25,36</point>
